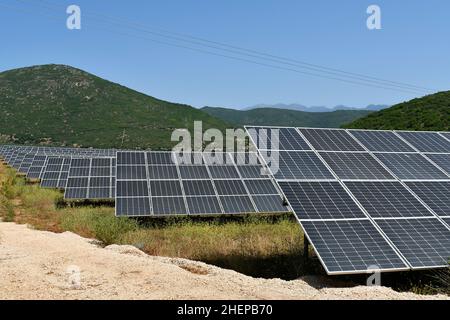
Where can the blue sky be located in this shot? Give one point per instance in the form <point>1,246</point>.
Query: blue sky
<point>412,47</point>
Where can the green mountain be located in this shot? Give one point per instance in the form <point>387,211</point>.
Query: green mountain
<point>430,113</point>
<point>61,105</point>
<point>284,117</point>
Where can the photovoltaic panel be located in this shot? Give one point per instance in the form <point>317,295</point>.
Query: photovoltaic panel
<point>331,140</point>
<point>407,166</point>
<point>360,166</point>
<point>436,194</point>
<point>203,205</point>
<point>381,141</point>
<point>55,172</point>
<point>166,188</point>
<point>351,246</point>
<point>223,172</point>
<point>386,199</point>
<point>37,167</point>
<point>320,200</point>
<point>445,135</point>
<point>230,187</point>
<point>163,172</point>
<point>198,188</point>
<point>424,243</point>
<point>254,172</point>
<point>168,205</point>
<point>211,186</point>
<point>277,138</point>
<point>261,187</point>
<point>26,163</point>
<point>442,160</point>
<point>270,203</point>
<point>298,165</point>
<point>91,178</point>
<point>166,158</point>
<point>133,206</point>
<point>193,172</point>
<point>237,204</point>
<point>426,141</point>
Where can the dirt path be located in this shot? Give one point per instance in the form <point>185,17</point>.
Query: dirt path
<point>40,265</point>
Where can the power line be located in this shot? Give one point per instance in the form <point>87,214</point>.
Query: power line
<point>251,53</point>
<point>374,85</point>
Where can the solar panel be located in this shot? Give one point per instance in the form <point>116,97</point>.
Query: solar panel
<point>55,172</point>
<point>436,194</point>
<point>277,138</point>
<point>91,178</point>
<point>386,199</point>
<point>168,205</point>
<point>442,160</point>
<point>298,165</point>
<point>261,187</point>
<point>203,205</point>
<point>362,166</point>
<point>173,185</point>
<point>320,200</point>
<point>424,243</point>
<point>270,203</point>
<point>381,141</point>
<point>407,166</point>
<point>426,141</point>
<point>331,140</point>
<point>237,204</point>
<point>26,163</point>
<point>351,246</point>
<point>383,178</point>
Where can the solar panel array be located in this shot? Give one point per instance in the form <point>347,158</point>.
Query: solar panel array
<point>158,183</point>
<point>365,199</point>
<point>150,183</point>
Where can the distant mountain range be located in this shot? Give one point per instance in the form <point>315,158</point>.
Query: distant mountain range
<point>285,117</point>
<point>300,107</point>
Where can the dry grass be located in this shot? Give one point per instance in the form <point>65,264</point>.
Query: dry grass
<point>255,246</point>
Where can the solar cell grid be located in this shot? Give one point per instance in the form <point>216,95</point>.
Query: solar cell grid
<point>331,140</point>
<point>298,165</point>
<point>387,200</point>
<point>278,138</point>
<point>423,242</point>
<point>435,194</point>
<point>237,204</point>
<point>230,187</point>
<point>259,187</point>
<point>162,172</point>
<point>411,166</point>
<point>320,200</point>
<point>381,141</point>
<point>442,160</point>
<point>349,246</point>
<point>223,172</point>
<point>168,205</point>
<point>270,203</point>
<point>360,166</point>
<point>203,205</point>
<point>426,141</point>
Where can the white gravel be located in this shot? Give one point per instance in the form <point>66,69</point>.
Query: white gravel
<point>44,265</point>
